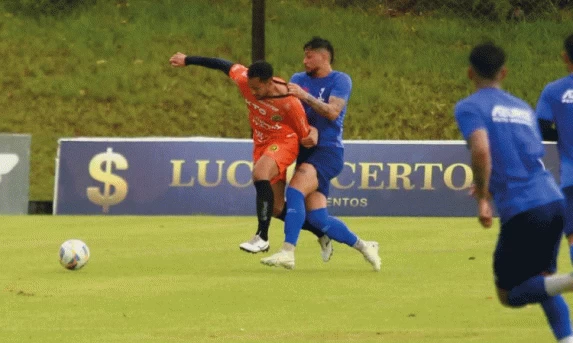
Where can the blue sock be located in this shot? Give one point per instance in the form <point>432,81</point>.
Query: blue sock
<point>557,313</point>
<point>530,291</point>
<point>295,215</point>
<point>332,226</point>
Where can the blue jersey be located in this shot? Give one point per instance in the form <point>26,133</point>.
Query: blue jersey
<point>519,181</point>
<point>336,84</point>
<point>556,104</point>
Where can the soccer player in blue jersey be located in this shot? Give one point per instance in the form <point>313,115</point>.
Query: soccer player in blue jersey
<point>555,117</point>
<point>506,151</point>
<point>324,93</point>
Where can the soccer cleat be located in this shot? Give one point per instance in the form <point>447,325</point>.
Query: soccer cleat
<point>280,259</point>
<point>255,245</point>
<point>326,248</point>
<point>371,255</point>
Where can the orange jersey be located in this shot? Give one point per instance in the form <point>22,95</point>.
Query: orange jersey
<point>273,117</point>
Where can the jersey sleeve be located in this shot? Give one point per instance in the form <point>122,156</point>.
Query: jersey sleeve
<point>238,74</point>
<point>342,87</point>
<point>543,109</point>
<point>296,117</point>
<point>469,119</point>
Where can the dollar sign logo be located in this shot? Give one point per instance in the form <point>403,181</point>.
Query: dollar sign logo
<point>100,169</point>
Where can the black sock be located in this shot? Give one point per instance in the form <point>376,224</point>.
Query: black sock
<point>305,226</point>
<point>265,202</point>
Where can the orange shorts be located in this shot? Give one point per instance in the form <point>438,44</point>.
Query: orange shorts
<point>283,150</point>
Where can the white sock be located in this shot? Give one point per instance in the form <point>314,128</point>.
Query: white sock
<point>558,284</point>
<point>359,245</point>
<point>568,339</point>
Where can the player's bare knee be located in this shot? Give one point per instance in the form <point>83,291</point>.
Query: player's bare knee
<point>258,176</point>
<point>570,239</point>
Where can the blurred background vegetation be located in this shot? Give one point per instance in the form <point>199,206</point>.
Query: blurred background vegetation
<point>74,68</point>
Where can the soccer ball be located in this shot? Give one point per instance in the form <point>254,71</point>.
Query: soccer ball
<point>74,254</point>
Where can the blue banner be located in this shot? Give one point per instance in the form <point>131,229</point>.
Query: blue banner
<point>170,176</point>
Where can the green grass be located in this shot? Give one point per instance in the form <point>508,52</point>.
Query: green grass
<point>104,71</point>
<point>183,279</point>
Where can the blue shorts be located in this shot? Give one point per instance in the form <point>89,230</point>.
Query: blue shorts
<point>568,228</point>
<point>328,162</point>
<point>528,245</point>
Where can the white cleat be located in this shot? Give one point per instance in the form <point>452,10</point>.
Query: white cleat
<point>280,259</point>
<point>255,245</point>
<point>326,248</point>
<point>371,255</point>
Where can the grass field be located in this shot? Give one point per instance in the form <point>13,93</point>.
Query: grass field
<point>183,279</point>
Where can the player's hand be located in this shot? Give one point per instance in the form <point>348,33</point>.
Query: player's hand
<point>178,60</point>
<point>310,140</point>
<point>485,213</point>
<point>297,91</point>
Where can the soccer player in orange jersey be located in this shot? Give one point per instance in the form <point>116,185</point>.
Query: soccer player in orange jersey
<point>279,124</point>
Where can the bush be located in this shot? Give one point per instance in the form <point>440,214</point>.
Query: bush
<point>36,8</point>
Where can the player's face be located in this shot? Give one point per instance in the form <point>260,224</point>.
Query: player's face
<point>260,89</point>
<point>314,59</point>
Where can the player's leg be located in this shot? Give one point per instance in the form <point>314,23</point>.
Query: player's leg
<point>306,226</point>
<point>568,225</point>
<point>336,229</point>
<point>292,145</point>
<point>303,182</point>
<point>264,170</point>
<point>284,153</point>
<point>328,164</point>
<point>525,256</point>
<point>279,198</point>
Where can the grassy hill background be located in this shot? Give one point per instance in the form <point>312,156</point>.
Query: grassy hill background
<point>104,71</point>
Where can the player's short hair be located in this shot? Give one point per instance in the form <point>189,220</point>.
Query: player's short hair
<point>261,69</point>
<point>320,43</point>
<point>568,45</point>
<point>487,59</point>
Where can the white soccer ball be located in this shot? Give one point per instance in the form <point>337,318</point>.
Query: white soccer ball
<point>74,254</point>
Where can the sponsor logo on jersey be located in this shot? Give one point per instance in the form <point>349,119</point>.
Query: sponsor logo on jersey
<point>320,94</point>
<point>567,97</point>
<point>514,115</point>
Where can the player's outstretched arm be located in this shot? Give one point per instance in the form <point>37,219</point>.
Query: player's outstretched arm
<point>182,60</point>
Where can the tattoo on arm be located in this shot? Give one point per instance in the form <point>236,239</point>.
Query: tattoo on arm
<point>330,110</point>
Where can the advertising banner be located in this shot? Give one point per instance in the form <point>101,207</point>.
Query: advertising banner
<point>14,173</point>
<point>170,176</point>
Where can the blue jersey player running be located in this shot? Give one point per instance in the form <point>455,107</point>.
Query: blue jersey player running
<point>324,93</point>
<point>555,116</point>
<point>506,151</point>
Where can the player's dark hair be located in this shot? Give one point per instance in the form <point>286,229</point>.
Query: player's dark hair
<point>487,59</point>
<point>261,69</point>
<point>568,45</point>
<point>320,43</point>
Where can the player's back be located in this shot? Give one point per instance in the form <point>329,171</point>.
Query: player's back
<point>519,180</point>
<point>556,104</point>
